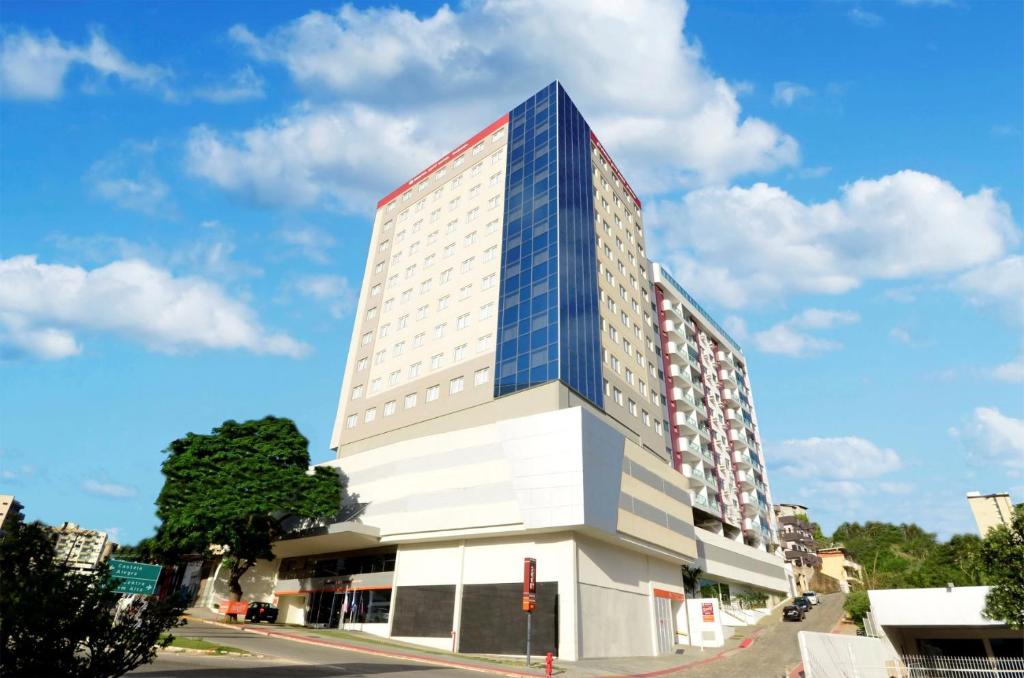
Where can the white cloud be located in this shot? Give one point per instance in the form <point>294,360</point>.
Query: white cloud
<point>999,283</point>
<point>786,338</point>
<point>864,17</point>
<point>787,93</point>
<point>392,91</point>
<point>848,459</point>
<point>1012,371</point>
<point>333,289</point>
<point>738,246</point>
<point>996,437</point>
<point>127,178</point>
<point>107,489</point>
<point>245,84</point>
<point>43,306</point>
<point>900,335</point>
<point>33,66</point>
<point>312,242</point>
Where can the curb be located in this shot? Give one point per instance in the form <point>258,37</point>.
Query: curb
<point>372,651</point>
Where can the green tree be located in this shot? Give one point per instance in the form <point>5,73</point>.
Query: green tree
<point>691,579</point>
<point>236,487</point>
<point>857,606</point>
<point>1002,559</point>
<point>55,622</point>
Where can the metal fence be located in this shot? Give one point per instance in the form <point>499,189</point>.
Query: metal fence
<point>927,666</point>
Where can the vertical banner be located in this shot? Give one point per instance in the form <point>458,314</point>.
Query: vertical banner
<point>529,584</point>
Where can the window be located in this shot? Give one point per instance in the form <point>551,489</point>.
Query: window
<point>442,303</point>
<point>492,202</point>
<point>414,370</point>
<point>393,377</point>
<point>617,394</point>
<point>490,253</point>
<point>488,281</point>
<point>615,363</point>
<point>436,360</point>
<point>351,421</point>
<point>449,250</point>
<point>376,384</point>
<point>495,178</point>
<point>475,191</point>
<point>433,392</point>
<point>366,339</point>
<point>425,286</point>
<point>446,276</point>
<point>429,261</point>
<point>385,330</point>
<point>452,225</point>
<point>389,408</point>
<point>383,246</point>
<point>410,401</point>
<point>378,357</point>
<point>399,349</point>
<point>481,376</point>
<point>392,281</point>
<point>456,385</point>
<point>496,156</point>
<point>486,311</point>
<point>406,296</point>
<point>439,330</point>
<point>361,365</point>
<point>630,379</point>
<point>465,291</point>
<point>421,312</point>
<point>473,214</point>
<point>646,417</point>
<point>357,392</point>
<point>467,265</point>
<point>632,407</point>
<point>403,321</point>
<point>469,239</point>
<point>410,271</point>
<point>453,204</point>
<point>483,343</point>
<point>379,267</point>
<point>400,237</point>
<point>463,321</point>
<point>459,353</point>
<point>417,341</point>
<point>370,415</point>
<point>492,226</point>
<point>457,181</point>
<point>475,169</point>
<point>435,215</point>
<point>375,290</point>
<point>388,304</point>
<point>432,238</point>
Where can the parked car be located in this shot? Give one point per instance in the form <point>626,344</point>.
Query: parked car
<point>812,597</point>
<point>802,603</point>
<point>793,613</point>
<point>261,612</point>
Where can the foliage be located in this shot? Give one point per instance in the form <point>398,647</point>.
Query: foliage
<point>148,550</point>
<point>691,579</point>
<point>1002,559</point>
<point>752,599</point>
<point>55,622</point>
<point>856,607</point>
<point>234,489</point>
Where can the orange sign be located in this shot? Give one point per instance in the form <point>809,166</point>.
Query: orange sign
<point>234,607</point>
<point>708,610</point>
<point>671,595</point>
<point>529,584</point>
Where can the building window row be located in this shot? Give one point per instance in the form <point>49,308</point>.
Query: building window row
<point>456,385</point>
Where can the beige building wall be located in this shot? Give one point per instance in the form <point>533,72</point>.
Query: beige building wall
<point>990,510</point>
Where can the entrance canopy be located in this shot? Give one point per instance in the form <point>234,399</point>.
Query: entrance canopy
<point>346,536</point>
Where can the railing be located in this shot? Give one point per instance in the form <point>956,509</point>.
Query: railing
<point>928,666</point>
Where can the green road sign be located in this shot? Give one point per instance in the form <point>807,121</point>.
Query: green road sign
<point>134,577</point>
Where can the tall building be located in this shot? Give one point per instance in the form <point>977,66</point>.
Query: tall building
<point>81,549</point>
<point>504,398</point>
<point>10,511</point>
<point>990,510</point>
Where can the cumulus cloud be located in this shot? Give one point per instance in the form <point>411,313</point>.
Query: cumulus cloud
<point>34,65</point>
<point>786,93</point>
<point>244,84</point>
<point>108,489</point>
<point>313,243</point>
<point>901,335</point>
<point>1012,372</point>
<point>786,337</point>
<point>846,459</point>
<point>738,246</point>
<point>334,290</point>
<point>998,283</point>
<point>391,91</point>
<point>992,436</point>
<point>44,306</point>
<point>127,177</point>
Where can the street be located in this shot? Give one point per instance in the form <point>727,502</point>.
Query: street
<point>281,657</point>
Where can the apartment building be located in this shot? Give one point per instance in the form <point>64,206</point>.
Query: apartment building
<point>798,545</point>
<point>990,510</point>
<point>837,563</point>
<point>11,511</point>
<point>81,549</point>
<point>504,398</point>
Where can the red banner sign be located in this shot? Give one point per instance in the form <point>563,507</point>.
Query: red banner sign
<point>529,584</point>
<point>708,610</point>
<point>234,607</point>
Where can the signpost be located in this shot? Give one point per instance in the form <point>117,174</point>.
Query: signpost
<point>529,597</point>
<point>134,577</point>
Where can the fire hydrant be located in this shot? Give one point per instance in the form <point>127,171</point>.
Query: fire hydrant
<point>547,663</point>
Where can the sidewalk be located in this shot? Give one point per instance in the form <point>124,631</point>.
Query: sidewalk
<point>618,667</point>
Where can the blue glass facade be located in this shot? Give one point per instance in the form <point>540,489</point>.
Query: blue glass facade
<point>548,316</point>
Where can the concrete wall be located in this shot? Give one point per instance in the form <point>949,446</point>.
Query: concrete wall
<point>731,561</point>
<point>825,655</point>
<point>961,606</point>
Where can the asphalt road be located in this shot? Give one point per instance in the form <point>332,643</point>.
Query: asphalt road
<point>280,658</point>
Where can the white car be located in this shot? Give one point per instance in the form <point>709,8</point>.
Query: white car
<point>812,597</point>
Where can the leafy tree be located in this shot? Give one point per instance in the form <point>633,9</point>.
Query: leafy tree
<point>857,606</point>
<point>236,487</point>
<point>56,622</point>
<point>1002,559</point>
<point>691,579</point>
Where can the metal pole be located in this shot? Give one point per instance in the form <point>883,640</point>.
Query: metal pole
<point>529,627</point>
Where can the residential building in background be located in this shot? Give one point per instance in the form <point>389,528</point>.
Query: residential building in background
<point>836,563</point>
<point>990,510</point>
<point>798,545</point>
<point>504,398</point>
<point>81,549</point>
<point>10,511</point>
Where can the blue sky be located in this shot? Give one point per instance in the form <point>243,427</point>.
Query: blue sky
<point>187,191</point>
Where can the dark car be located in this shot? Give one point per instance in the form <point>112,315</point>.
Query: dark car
<point>793,613</point>
<point>800,602</point>
<point>261,612</point>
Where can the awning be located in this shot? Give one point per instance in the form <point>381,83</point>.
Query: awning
<point>347,536</point>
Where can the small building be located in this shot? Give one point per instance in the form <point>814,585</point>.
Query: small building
<point>798,545</point>
<point>940,622</point>
<point>81,549</point>
<point>837,564</point>
<point>990,510</point>
<point>10,511</point>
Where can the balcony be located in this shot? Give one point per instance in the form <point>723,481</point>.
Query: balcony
<point>674,328</point>
<point>687,424</point>
<point>727,376</point>
<point>695,474</point>
<point>738,439</point>
<point>684,399</point>
<point>733,418</point>
<point>731,397</point>
<point>748,504</point>
<point>673,311</point>
<point>745,479</point>
<point>726,359</point>
<point>690,448</point>
<point>742,460</point>
<point>707,455</point>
